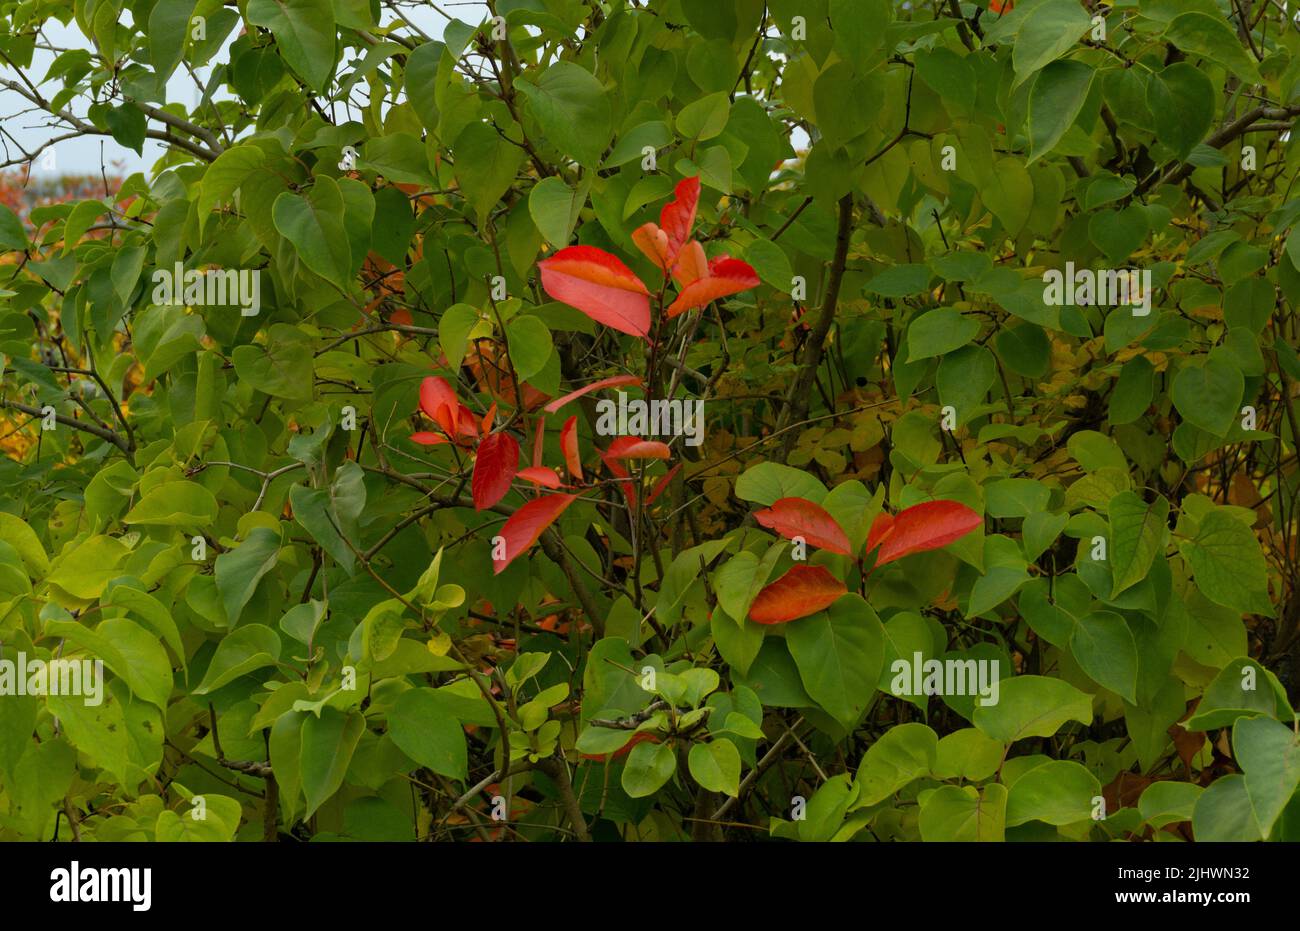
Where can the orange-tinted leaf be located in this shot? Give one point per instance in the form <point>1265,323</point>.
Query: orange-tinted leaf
<point>726,276</point>
<point>527,524</point>
<point>594,386</point>
<point>425,438</point>
<point>799,517</point>
<point>569,444</point>
<point>631,447</point>
<point>489,419</point>
<point>600,286</point>
<point>802,591</point>
<point>692,264</point>
<point>540,475</point>
<point>494,469</point>
<point>925,526</point>
<point>653,241</point>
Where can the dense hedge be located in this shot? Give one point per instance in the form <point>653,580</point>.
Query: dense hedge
<point>336,435</point>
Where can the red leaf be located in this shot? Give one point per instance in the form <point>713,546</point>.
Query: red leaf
<point>678,215</point>
<point>799,517</point>
<point>881,526</point>
<point>527,524</point>
<point>440,404</point>
<point>569,444</point>
<point>595,385</point>
<point>662,484</point>
<point>616,469</point>
<point>631,447</point>
<point>540,475</point>
<point>802,591</point>
<point>425,438</point>
<point>662,242</point>
<point>925,526</point>
<point>600,286</point>
<point>494,469</point>
<point>726,276</point>
<point>537,440</point>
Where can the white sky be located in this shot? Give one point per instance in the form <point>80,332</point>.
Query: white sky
<point>82,155</point>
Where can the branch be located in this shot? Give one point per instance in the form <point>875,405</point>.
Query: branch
<point>796,405</point>
<point>104,434</point>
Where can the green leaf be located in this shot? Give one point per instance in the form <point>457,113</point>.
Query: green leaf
<point>903,753</point>
<point>131,652</point>
<point>281,367</point>
<point>1137,534</point>
<point>1058,792</point>
<point>715,765</point>
<point>485,165</point>
<point>530,344</point>
<point>1104,646</point>
<point>224,176</point>
<point>240,652</point>
<point>422,728</point>
<point>648,767</point>
<point>901,280</point>
<point>1198,33</point>
<point>239,570</point>
<point>964,813</point>
<point>1228,564</point>
<point>84,571</point>
<point>1223,812</point>
<point>328,742</point>
<point>175,504</point>
<point>839,653</point>
<point>1242,688</point>
<point>1269,754</point>
<point>1009,193</point>
<point>768,482</point>
<point>151,611</point>
<point>1057,97</point>
<point>939,332</point>
<point>573,111</point>
<point>554,207</point>
<point>1032,706</point>
<point>314,224</point>
<point>330,514</point>
<point>1207,394</point>
<point>968,754</point>
<point>1181,101</point>
<point>304,34</point>
<point>1051,29</point>
<point>399,157</point>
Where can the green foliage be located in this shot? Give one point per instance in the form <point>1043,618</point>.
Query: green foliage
<point>345,534</point>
